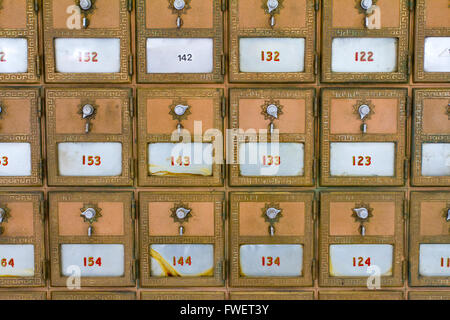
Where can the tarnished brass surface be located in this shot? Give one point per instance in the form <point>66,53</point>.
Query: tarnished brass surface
<point>132,27</point>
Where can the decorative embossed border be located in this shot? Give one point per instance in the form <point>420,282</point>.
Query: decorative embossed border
<point>31,34</point>
<point>50,34</point>
<point>23,295</point>
<point>325,239</point>
<point>419,137</point>
<point>307,138</point>
<point>361,295</point>
<point>308,33</point>
<point>327,138</point>
<point>34,138</point>
<point>125,137</point>
<point>236,240</point>
<point>93,295</point>
<point>37,239</point>
<point>264,295</point>
<point>144,179</point>
<point>142,33</point>
<point>415,238</point>
<point>422,32</point>
<point>329,33</point>
<point>127,239</point>
<point>183,295</point>
<point>429,295</point>
<point>218,240</point>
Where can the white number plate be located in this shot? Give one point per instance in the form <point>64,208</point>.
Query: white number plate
<point>361,260</point>
<point>364,55</point>
<point>13,55</point>
<point>90,159</point>
<point>92,260</point>
<point>15,159</point>
<point>437,54</point>
<point>434,260</point>
<point>87,55</point>
<point>362,159</point>
<point>167,55</point>
<point>436,159</point>
<point>17,260</point>
<point>267,159</point>
<point>170,159</point>
<point>272,54</point>
<point>279,260</point>
<point>182,260</point>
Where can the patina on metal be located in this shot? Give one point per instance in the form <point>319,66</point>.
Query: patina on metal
<point>272,110</point>
<point>4,216</point>
<point>90,214</point>
<point>87,8</point>
<point>181,213</point>
<point>2,110</point>
<point>179,7</point>
<point>446,215</point>
<point>88,111</point>
<point>272,213</point>
<point>179,110</point>
<point>272,7</point>
<point>362,212</point>
<point>364,109</point>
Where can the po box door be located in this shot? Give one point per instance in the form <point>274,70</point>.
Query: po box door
<point>362,235</point>
<point>89,137</point>
<point>20,137</point>
<point>92,239</point>
<point>87,41</point>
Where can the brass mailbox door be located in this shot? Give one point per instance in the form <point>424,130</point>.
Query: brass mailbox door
<point>20,137</point>
<point>432,41</point>
<point>429,237</point>
<point>19,50</point>
<point>256,295</point>
<point>22,248</point>
<point>180,137</point>
<point>182,295</point>
<point>87,41</point>
<point>92,239</point>
<point>272,44</point>
<point>93,295</point>
<point>181,239</point>
<point>180,41</point>
<point>89,137</point>
<point>365,41</point>
<point>271,241</point>
<point>272,141</point>
<point>363,138</point>
<point>361,295</point>
<point>431,138</point>
<point>361,235</point>
<point>23,295</point>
